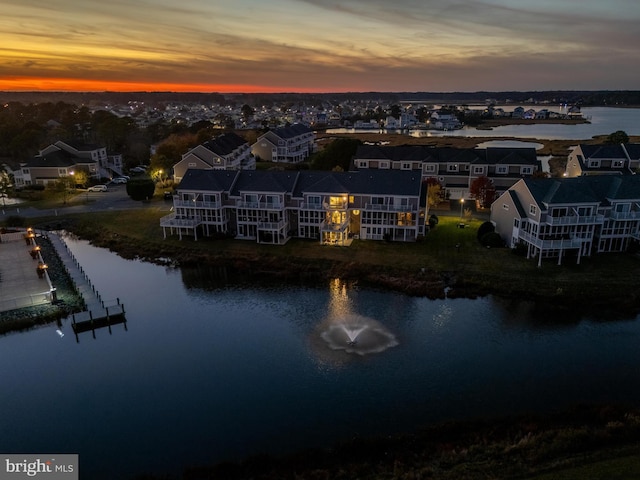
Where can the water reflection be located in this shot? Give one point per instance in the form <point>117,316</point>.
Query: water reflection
<point>343,332</point>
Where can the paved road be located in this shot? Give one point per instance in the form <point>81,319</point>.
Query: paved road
<point>115,198</point>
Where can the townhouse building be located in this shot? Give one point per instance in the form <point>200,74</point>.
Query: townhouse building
<point>454,168</point>
<point>62,158</point>
<point>291,144</point>
<point>272,207</point>
<point>228,151</point>
<point>621,159</point>
<point>553,218</point>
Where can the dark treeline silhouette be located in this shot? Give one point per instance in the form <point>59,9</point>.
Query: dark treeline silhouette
<point>583,98</point>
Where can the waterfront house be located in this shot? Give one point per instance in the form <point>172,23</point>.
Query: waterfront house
<point>454,168</point>
<point>228,151</point>
<point>291,144</point>
<point>270,207</point>
<point>621,159</point>
<point>553,218</point>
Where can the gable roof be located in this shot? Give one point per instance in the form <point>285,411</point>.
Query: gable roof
<point>225,144</point>
<point>291,131</point>
<point>587,189</point>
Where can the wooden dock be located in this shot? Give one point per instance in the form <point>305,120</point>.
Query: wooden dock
<point>98,312</point>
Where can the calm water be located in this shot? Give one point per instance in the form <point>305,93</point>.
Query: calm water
<point>604,120</point>
<point>206,373</point>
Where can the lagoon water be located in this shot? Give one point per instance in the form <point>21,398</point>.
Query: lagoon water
<point>208,371</point>
<point>603,121</point>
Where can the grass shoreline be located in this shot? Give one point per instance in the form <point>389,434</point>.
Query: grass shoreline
<point>602,285</point>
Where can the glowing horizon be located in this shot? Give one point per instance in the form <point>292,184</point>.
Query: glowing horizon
<point>319,45</point>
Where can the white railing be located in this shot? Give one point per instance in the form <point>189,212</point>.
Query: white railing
<point>172,220</point>
<point>390,208</point>
<point>574,220</point>
<point>260,205</point>
<point>311,206</point>
<point>272,225</point>
<point>564,243</point>
<point>195,204</point>
<point>334,227</point>
<point>624,215</point>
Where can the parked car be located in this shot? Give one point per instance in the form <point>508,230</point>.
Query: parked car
<point>119,180</point>
<point>97,188</point>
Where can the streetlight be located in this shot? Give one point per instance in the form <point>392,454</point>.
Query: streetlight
<point>461,207</point>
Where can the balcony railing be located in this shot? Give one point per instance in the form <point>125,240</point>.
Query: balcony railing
<point>389,208</point>
<point>272,225</point>
<point>173,220</point>
<point>311,206</point>
<point>334,227</point>
<point>625,215</point>
<point>195,203</point>
<point>260,205</point>
<point>553,244</point>
<point>575,220</point>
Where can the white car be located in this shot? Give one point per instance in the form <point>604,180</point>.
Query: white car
<point>119,180</point>
<point>97,188</point>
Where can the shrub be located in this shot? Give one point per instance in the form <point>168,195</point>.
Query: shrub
<point>492,239</point>
<point>433,221</point>
<point>486,227</point>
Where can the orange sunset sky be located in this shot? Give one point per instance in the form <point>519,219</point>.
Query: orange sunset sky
<point>319,45</point>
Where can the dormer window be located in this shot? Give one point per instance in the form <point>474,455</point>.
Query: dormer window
<point>502,169</point>
<point>452,167</point>
<point>526,170</point>
<point>594,163</point>
<point>617,163</point>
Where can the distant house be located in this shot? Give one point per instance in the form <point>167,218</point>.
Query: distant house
<point>62,159</point>
<point>552,218</point>
<point>444,121</point>
<point>622,159</point>
<point>454,168</point>
<point>292,144</point>
<point>518,112</point>
<point>228,151</point>
<point>271,207</point>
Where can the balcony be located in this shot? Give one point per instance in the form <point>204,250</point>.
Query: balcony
<point>195,203</point>
<point>389,208</point>
<point>625,215</point>
<point>311,206</point>
<point>272,225</point>
<point>173,220</point>
<point>575,220</point>
<point>260,205</point>
<point>556,244</point>
<point>334,227</point>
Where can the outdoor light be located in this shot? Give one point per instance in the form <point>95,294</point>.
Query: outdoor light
<point>461,207</point>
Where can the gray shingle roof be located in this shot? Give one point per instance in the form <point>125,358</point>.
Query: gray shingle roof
<point>225,143</point>
<point>587,189</point>
<point>207,180</point>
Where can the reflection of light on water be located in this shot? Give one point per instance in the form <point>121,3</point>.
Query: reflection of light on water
<point>345,331</point>
<point>339,303</point>
<point>442,316</point>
